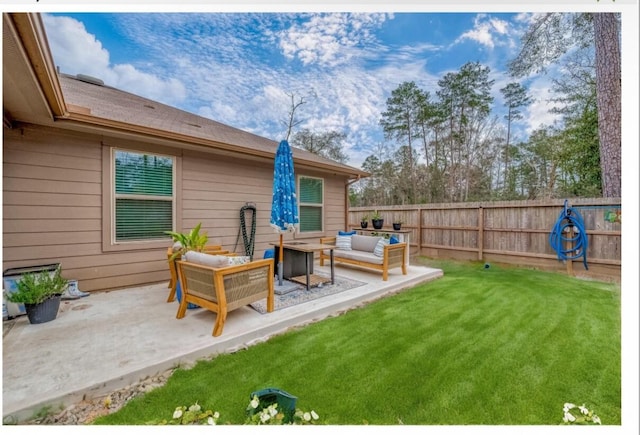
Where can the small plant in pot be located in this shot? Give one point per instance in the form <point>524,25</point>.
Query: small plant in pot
<point>364,221</point>
<point>397,223</point>
<point>40,293</point>
<point>377,221</point>
<point>191,241</point>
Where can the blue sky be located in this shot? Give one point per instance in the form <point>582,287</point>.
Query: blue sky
<point>240,69</point>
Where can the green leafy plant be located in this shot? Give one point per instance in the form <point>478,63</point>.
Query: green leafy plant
<point>37,287</point>
<point>397,220</point>
<point>574,414</point>
<point>191,241</point>
<point>192,415</point>
<point>260,413</point>
<point>364,218</point>
<point>376,216</point>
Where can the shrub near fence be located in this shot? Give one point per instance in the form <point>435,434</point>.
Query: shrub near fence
<point>512,232</point>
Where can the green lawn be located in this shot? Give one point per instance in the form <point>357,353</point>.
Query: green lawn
<point>501,346</point>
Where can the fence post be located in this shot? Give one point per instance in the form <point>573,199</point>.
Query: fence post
<point>480,232</point>
<point>419,238</point>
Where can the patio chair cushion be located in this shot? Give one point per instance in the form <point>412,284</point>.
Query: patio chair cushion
<point>364,243</point>
<point>343,243</point>
<point>379,249</point>
<point>206,259</point>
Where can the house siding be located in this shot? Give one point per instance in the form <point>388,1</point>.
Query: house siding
<point>53,206</point>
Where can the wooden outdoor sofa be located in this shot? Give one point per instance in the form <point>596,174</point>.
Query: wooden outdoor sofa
<point>361,253</point>
<point>223,289</point>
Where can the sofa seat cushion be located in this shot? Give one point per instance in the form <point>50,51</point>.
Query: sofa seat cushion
<point>366,257</point>
<point>364,243</point>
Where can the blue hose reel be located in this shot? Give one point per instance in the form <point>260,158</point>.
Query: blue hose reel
<point>569,231</point>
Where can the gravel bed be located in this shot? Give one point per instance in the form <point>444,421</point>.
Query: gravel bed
<point>86,411</point>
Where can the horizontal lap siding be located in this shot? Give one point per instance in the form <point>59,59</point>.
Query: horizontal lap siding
<point>52,193</point>
<point>52,207</point>
<point>216,188</point>
<point>52,211</point>
<point>334,212</point>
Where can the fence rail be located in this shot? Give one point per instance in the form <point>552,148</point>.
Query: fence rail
<point>512,232</point>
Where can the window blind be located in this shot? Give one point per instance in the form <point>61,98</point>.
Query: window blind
<point>311,197</point>
<point>143,196</point>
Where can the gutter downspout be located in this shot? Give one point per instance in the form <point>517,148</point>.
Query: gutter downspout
<point>346,201</point>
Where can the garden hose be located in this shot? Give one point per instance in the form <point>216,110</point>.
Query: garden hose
<point>249,242</point>
<point>569,221</point>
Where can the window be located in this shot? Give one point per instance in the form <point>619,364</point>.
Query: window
<point>311,193</point>
<point>143,196</point>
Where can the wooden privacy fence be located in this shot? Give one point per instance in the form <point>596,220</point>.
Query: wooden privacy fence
<point>513,232</point>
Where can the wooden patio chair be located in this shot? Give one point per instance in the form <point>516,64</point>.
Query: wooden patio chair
<point>226,288</point>
<point>173,280</point>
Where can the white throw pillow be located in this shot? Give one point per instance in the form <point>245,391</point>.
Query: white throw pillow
<point>343,243</point>
<point>206,259</point>
<point>379,249</point>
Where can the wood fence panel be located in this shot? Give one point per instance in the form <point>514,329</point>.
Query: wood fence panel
<point>515,232</point>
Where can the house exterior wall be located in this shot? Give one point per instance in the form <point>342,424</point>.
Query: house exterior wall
<point>54,207</point>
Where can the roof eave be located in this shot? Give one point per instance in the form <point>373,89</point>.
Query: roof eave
<point>30,28</point>
<point>187,141</point>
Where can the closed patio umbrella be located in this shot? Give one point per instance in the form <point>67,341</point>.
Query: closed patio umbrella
<point>284,204</point>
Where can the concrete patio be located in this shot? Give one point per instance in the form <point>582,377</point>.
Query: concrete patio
<point>110,340</point>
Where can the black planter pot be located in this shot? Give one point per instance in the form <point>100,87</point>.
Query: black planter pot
<point>377,223</point>
<point>397,227</point>
<point>364,224</point>
<point>44,311</point>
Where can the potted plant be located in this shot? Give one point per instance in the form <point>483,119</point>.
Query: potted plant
<point>191,241</point>
<point>364,221</point>
<point>40,293</point>
<point>377,221</point>
<point>397,223</point>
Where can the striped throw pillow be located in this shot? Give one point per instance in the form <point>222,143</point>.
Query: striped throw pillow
<point>379,249</point>
<point>343,243</point>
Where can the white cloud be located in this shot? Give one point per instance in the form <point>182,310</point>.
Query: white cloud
<point>485,30</point>
<point>328,39</point>
<point>76,51</point>
<point>500,26</point>
<point>539,112</point>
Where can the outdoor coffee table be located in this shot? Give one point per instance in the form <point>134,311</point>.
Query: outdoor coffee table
<point>293,269</point>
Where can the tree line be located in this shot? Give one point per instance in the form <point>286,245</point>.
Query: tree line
<point>446,144</point>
